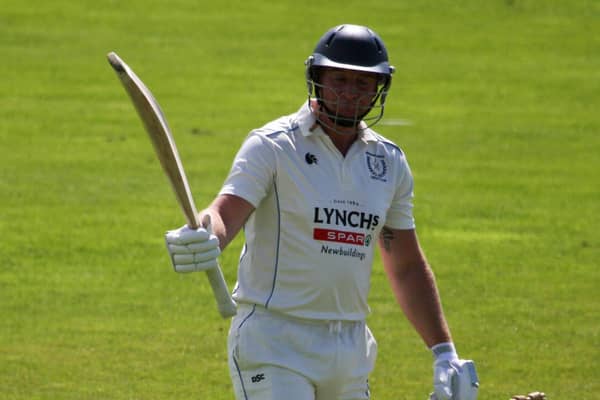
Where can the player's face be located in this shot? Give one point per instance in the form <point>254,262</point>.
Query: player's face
<point>347,93</point>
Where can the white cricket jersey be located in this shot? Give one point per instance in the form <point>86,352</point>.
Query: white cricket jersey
<point>311,239</point>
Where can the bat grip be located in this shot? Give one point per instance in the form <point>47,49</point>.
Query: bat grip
<point>225,303</point>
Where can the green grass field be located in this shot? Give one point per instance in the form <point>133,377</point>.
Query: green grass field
<point>502,99</point>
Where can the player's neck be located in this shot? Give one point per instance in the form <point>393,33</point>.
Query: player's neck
<point>341,136</point>
<point>342,141</point>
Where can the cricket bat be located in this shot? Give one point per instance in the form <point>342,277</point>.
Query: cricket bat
<point>157,128</point>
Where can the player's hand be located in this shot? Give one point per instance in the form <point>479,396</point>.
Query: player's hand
<point>192,250</point>
<point>453,378</point>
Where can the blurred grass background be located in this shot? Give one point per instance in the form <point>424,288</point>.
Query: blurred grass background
<point>500,101</point>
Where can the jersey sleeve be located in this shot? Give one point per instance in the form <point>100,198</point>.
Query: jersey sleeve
<point>400,215</point>
<point>252,172</point>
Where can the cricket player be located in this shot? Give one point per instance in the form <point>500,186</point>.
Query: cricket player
<point>315,192</point>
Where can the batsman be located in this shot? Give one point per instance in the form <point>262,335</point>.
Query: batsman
<point>315,192</point>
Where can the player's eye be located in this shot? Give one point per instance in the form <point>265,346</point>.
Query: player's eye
<point>365,83</point>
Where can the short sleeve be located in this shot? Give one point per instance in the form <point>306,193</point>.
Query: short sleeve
<point>399,215</point>
<point>252,172</point>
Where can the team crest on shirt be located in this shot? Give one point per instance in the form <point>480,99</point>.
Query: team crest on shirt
<point>377,166</point>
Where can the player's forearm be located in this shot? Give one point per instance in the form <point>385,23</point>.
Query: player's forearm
<point>415,290</point>
<point>228,214</point>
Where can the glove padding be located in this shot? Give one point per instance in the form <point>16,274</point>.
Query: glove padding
<point>192,250</point>
<point>454,379</point>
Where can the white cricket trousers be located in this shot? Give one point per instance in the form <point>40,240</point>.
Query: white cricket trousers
<point>277,357</point>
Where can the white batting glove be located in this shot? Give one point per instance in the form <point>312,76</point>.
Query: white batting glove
<point>192,250</point>
<point>453,378</point>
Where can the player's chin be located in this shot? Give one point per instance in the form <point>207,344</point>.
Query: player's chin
<point>343,123</point>
<point>351,111</point>
<point>347,114</point>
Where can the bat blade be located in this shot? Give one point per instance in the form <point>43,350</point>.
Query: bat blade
<point>158,130</point>
<point>162,140</point>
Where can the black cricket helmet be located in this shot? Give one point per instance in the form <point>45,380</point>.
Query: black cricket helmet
<point>352,47</point>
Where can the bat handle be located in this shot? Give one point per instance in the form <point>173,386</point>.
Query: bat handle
<point>226,305</point>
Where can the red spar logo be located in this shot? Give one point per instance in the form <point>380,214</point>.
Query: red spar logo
<point>332,235</point>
